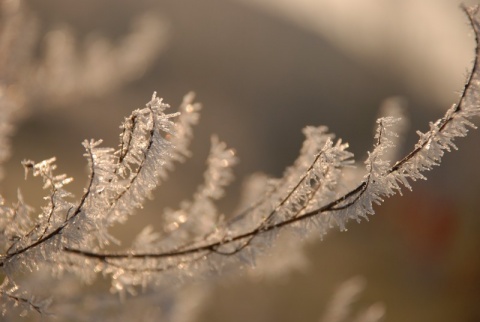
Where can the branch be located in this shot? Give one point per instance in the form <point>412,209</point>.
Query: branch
<point>355,203</point>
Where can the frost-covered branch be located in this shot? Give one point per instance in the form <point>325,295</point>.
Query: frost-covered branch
<point>99,66</point>
<point>312,197</point>
<point>289,203</point>
<point>63,74</point>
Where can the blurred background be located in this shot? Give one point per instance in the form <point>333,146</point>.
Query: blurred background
<point>264,69</point>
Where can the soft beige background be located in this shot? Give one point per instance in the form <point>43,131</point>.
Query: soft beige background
<point>263,70</point>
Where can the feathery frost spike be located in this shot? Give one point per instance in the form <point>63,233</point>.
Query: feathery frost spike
<point>199,217</point>
<point>340,305</point>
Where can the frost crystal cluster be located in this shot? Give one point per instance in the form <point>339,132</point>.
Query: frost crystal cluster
<point>70,239</point>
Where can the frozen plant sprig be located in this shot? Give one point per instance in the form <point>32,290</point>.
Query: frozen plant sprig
<point>99,66</point>
<point>195,240</point>
<point>382,180</point>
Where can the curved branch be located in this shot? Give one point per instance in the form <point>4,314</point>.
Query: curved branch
<point>338,204</point>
